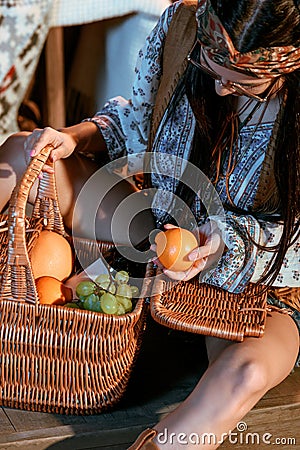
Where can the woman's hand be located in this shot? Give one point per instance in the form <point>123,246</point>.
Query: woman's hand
<point>63,144</point>
<point>205,256</point>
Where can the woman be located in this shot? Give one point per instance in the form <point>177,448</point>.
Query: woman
<point>234,114</point>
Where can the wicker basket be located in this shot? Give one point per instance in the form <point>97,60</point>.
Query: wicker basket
<point>204,309</point>
<point>56,359</point>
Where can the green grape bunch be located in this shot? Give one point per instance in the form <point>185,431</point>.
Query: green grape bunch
<point>107,294</point>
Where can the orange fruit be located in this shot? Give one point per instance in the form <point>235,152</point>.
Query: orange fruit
<point>51,256</point>
<point>173,247</point>
<point>52,291</point>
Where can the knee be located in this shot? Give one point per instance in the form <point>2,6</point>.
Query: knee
<point>13,145</point>
<point>250,376</point>
<point>15,138</point>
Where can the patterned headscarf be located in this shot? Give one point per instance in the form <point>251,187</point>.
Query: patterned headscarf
<point>262,62</point>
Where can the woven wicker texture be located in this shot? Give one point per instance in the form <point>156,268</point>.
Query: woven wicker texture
<point>57,359</point>
<point>290,296</point>
<point>204,309</point>
<point>17,278</point>
<point>33,228</point>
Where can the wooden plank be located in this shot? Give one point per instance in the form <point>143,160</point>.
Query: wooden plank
<point>55,78</point>
<point>287,392</point>
<point>70,437</point>
<point>88,436</point>
<point>6,426</point>
<point>29,420</point>
<point>273,415</point>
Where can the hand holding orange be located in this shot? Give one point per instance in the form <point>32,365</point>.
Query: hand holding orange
<point>173,247</point>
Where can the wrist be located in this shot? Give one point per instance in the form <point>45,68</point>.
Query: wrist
<point>86,137</point>
<point>72,136</point>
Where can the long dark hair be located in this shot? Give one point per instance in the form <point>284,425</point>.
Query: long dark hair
<point>253,24</point>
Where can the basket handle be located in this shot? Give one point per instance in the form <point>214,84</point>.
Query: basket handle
<point>18,281</point>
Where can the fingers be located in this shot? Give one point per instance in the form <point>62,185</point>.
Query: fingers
<point>63,145</point>
<point>169,226</point>
<point>196,268</point>
<point>211,247</point>
<point>38,139</point>
<point>48,169</point>
<point>203,257</point>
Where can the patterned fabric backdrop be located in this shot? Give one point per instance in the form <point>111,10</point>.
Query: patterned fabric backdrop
<point>24,25</point>
<point>23,29</point>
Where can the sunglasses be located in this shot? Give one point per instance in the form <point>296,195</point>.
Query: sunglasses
<point>242,90</point>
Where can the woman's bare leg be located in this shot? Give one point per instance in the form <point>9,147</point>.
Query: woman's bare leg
<point>71,174</point>
<point>239,374</point>
<point>12,165</point>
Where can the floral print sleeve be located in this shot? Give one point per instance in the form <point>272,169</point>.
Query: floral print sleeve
<point>244,262</point>
<point>235,268</point>
<point>123,123</point>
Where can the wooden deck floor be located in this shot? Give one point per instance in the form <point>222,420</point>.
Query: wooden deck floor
<point>153,392</point>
